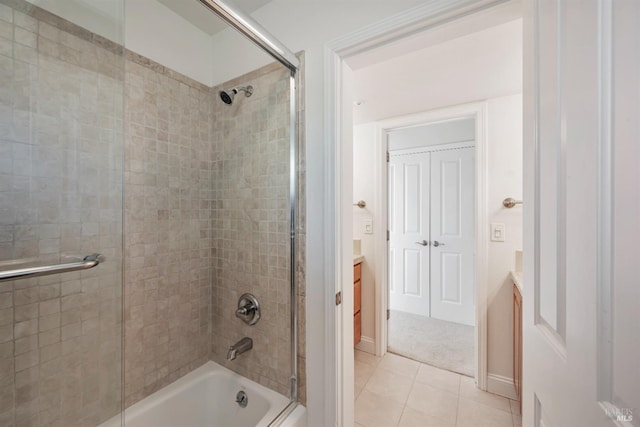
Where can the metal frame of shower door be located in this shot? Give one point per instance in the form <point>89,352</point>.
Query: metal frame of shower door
<point>261,37</point>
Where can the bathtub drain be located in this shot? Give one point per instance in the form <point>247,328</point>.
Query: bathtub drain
<point>242,399</point>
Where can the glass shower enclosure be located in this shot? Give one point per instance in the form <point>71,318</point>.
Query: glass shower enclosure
<point>61,184</point>
<point>137,206</point>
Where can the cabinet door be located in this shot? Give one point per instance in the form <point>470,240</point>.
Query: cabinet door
<point>357,328</point>
<point>357,296</point>
<point>517,340</point>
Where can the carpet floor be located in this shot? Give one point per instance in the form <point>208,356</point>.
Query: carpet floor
<point>436,342</point>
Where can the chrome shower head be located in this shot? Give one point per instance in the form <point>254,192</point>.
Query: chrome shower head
<point>227,95</point>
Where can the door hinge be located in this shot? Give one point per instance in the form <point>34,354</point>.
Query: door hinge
<point>388,157</point>
<point>339,298</point>
<point>388,314</point>
<point>388,235</point>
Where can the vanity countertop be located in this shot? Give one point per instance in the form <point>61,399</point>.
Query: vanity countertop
<point>516,276</point>
<point>357,259</point>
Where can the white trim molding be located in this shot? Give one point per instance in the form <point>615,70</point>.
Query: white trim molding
<point>502,386</point>
<point>367,344</point>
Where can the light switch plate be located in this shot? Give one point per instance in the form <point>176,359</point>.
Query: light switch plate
<point>497,232</point>
<point>367,226</point>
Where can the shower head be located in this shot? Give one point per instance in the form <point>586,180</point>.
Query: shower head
<point>228,95</point>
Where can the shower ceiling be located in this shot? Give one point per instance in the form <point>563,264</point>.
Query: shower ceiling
<point>193,11</point>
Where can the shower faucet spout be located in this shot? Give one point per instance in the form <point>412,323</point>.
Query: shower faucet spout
<point>242,346</point>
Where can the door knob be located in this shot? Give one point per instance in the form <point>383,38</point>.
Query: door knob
<point>423,243</point>
<point>436,243</point>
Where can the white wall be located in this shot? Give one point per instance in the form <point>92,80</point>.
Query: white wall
<point>149,29</point>
<point>302,25</point>
<point>432,134</point>
<point>480,65</point>
<point>102,17</point>
<point>505,177</point>
<point>504,135</point>
<point>155,31</point>
<point>232,57</point>
<point>364,176</point>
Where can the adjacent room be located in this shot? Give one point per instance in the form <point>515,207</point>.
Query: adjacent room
<point>438,140</point>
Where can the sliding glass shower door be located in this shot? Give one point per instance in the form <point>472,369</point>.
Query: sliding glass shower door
<point>61,157</point>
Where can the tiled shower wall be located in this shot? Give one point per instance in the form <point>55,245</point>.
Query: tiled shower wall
<point>251,225</point>
<point>61,149</point>
<point>207,219</point>
<point>168,158</point>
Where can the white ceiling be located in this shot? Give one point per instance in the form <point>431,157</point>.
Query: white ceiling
<point>198,14</point>
<point>476,59</point>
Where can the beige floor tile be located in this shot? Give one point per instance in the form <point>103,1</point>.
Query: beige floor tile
<point>362,373</point>
<point>469,390</point>
<point>366,358</point>
<point>390,385</point>
<point>439,378</point>
<point>515,407</point>
<point>474,414</point>
<point>412,418</point>
<point>357,389</point>
<point>434,402</point>
<point>399,365</point>
<point>377,411</point>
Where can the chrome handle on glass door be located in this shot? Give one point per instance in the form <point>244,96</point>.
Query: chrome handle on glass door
<point>436,243</point>
<point>423,243</point>
<point>86,263</point>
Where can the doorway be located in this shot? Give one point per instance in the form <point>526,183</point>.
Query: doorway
<point>496,113</point>
<point>470,99</point>
<point>431,205</point>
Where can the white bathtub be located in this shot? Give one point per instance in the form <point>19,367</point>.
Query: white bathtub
<point>206,397</point>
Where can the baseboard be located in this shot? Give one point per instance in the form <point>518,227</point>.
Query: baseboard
<point>503,386</point>
<point>367,344</point>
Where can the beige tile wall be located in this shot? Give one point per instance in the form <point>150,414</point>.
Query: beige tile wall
<point>61,149</point>
<point>237,168</point>
<point>251,225</point>
<point>168,246</point>
<point>241,154</point>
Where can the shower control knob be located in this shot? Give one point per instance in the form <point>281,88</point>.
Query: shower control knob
<point>248,309</point>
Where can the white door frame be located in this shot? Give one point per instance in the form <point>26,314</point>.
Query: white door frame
<point>339,176</point>
<point>478,112</point>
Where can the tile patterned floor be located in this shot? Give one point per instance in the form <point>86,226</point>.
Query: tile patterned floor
<point>393,391</point>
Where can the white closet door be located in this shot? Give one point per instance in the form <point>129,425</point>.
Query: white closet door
<point>409,233</point>
<point>453,235</point>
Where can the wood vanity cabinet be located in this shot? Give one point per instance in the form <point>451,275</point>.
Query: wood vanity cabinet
<point>517,343</point>
<point>357,303</point>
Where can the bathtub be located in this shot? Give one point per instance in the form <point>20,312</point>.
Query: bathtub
<point>206,397</point>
